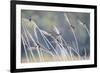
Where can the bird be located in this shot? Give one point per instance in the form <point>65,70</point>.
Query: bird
<point>38,45</point>
<point>73,26</point>
<point>30,18</point>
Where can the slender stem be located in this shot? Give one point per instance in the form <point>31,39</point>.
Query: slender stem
<point>84,26</point>
<point>72,32</point>
<point>71,54</point>
<point>76,52</point>
<point>37,48</point>
<point>25,29</point>
<point>85,53</point>
<point>39,53</point>
<point>25,49</point>
<point>50,44</point>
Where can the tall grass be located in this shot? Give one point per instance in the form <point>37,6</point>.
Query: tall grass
<point>66,17</point>
<point>62,51</point>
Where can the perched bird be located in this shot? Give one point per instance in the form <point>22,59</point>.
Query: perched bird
<point>38,45</point>
<point>30,18</point>
<point>73,26</point>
